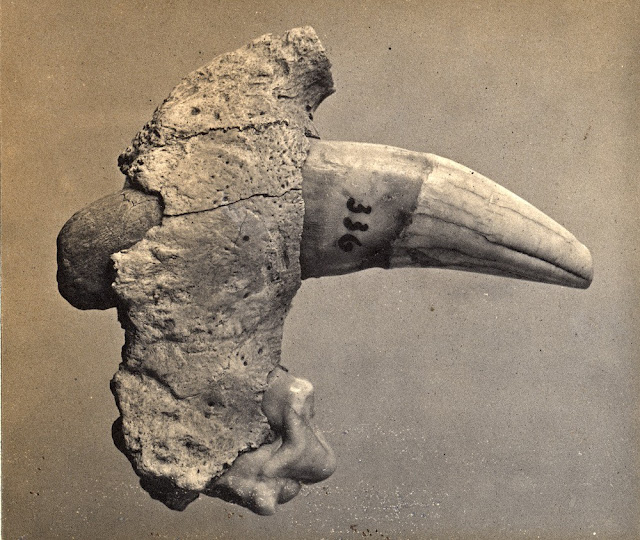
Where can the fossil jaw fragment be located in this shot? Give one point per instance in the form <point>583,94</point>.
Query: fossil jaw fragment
<point>230,200</point>
<point>365,206</point>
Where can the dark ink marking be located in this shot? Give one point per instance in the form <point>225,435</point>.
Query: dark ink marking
<point>357,209</point>
<point>346,242</point>
<point>357,226</point>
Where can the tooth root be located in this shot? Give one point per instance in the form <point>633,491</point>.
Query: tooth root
<point>92,235</point>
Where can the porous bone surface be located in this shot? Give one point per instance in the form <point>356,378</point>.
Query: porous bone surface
<point>203,296</point>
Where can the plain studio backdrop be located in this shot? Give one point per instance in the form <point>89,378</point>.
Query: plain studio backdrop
<point>459,405</point>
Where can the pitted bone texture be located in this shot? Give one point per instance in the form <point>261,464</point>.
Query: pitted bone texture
<point>203,296</point>
<point>234,128</point>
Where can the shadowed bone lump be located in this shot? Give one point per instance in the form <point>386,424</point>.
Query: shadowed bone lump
<point>230,200</point>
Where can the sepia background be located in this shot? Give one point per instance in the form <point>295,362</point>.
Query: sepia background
<point>459,405</point>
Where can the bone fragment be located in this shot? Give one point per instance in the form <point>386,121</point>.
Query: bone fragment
<point>203,296</point>
<point>274,473</point>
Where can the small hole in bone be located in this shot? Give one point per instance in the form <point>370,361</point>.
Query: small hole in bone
<point>195,111</point>
<point>245,238</point>
<point>260,350</point>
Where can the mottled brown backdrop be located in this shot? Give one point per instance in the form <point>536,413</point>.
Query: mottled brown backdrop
<point>459,405</point>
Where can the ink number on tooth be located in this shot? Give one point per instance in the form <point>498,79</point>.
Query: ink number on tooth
<point>357,208</point>
<point>357,226</point>
<point>347,241</point>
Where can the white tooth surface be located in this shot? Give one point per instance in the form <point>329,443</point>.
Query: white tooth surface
<point>358,198</point>
<point>463,220</point>
<point>370,205</point>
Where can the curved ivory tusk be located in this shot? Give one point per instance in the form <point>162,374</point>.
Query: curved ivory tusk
<point>228,204</point>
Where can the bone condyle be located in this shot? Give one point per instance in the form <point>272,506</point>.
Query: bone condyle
<point>230,200</point>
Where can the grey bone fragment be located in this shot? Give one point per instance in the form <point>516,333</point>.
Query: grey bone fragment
<point>203,288</point>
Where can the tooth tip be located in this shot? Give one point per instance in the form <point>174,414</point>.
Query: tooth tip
<point>584,271</point>
<point>588,275</point>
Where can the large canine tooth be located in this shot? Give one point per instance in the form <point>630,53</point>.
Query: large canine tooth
<point>369,205</point>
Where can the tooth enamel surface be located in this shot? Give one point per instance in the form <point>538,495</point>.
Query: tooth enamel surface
<point>370,205</point>
<point>465,221</point>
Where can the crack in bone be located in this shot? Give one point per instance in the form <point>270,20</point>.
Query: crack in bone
<point>224,258</point>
